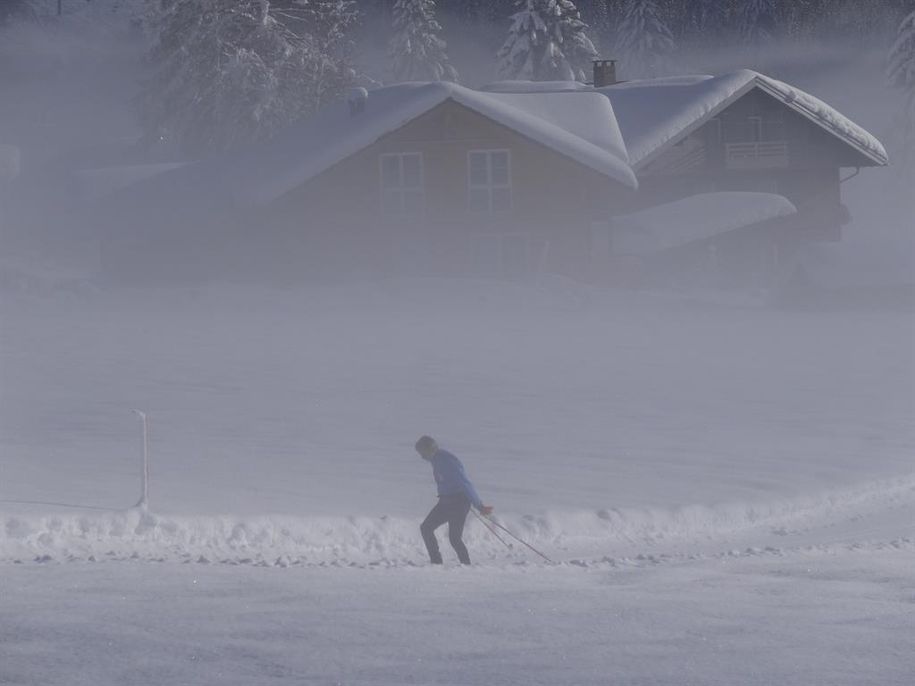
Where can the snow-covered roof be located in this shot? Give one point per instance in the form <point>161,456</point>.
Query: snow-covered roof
<point>695,218</point>
<point>582,128</point>
<point>97,183</point>
<point>513,86</point>
<point>656,113</point>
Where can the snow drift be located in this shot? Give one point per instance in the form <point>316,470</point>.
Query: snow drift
<point>359,541</point>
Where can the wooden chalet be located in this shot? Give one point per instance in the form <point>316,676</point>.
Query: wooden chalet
<point>515,179</point>
<point>414,179</point>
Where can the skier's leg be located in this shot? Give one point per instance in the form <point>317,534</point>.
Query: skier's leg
<point>456,520</point>
<point>434,519</point>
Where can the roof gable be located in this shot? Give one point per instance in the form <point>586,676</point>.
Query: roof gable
<point>584,129</point>
<point>657,113</point>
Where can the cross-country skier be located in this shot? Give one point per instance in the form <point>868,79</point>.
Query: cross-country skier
<point>455,496</point>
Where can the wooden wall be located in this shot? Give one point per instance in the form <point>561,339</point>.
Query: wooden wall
<point>337,215</point>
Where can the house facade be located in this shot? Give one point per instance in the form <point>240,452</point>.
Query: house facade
<point>419,179</point>
<point>515,179</point>
<point>744,132</point>
<point>451,192</point>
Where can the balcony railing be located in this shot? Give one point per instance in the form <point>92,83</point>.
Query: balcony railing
<point>757,155</point>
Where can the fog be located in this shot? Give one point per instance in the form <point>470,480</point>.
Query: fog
<point>424,342</point>
<point>619,424</point>
<point>343,364</point>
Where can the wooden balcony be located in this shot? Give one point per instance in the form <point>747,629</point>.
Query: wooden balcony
<point>756,155</point>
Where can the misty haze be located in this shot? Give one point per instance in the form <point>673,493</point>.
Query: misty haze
<point>457,342</point>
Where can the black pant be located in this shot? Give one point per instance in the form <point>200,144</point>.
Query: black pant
<point>452,509</point>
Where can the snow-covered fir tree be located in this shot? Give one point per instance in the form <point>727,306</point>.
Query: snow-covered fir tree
<point>226,72</point>
<point>418,52</point>
<point>705,16</point>
<point>901,71</point>
<point>901,63</point>
<point>547,40</point>
<point>643,39</point>
<point>757,20</point>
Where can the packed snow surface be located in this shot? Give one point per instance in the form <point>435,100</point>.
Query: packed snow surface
<point>282,422</point>
<point>812,617</point>
<point>694,218</point>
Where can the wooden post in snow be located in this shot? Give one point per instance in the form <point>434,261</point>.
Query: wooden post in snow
<point>143,503</point>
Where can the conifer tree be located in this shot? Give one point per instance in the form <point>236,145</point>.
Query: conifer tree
<point>418,53</point>
<point>547,40</point>
<point>758,20</point>
<point>226,72</point>
<point>643,38</point>
<point>707,16</point>
<point>901,70</point>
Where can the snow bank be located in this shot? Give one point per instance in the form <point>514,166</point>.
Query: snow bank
<point>697,217</point>
<point>359,541</point>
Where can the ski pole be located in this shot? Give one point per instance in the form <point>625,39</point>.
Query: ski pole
<point>492,531</point>
<point>522,541</point>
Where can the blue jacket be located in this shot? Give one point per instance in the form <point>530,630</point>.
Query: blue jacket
<point>451,478</point>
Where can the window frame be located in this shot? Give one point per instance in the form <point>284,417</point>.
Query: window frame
<point>400,190</point>
<point>755,128</point>
<point>490,186</point>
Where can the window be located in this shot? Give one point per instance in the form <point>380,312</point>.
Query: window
<point>754,129</point>
<point>402,189</point>
<point>759,129</point>
<point>714,131</point>
<point>489,188</point>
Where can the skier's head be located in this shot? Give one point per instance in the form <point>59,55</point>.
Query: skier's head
<point>426,447</point>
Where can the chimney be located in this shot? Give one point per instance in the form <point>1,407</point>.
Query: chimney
<point>604,73</point>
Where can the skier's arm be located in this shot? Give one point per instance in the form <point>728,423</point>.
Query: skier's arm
<point>469,490</point>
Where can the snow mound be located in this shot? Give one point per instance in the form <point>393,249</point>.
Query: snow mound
<point>360,541</point>
<point>695,218</point>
